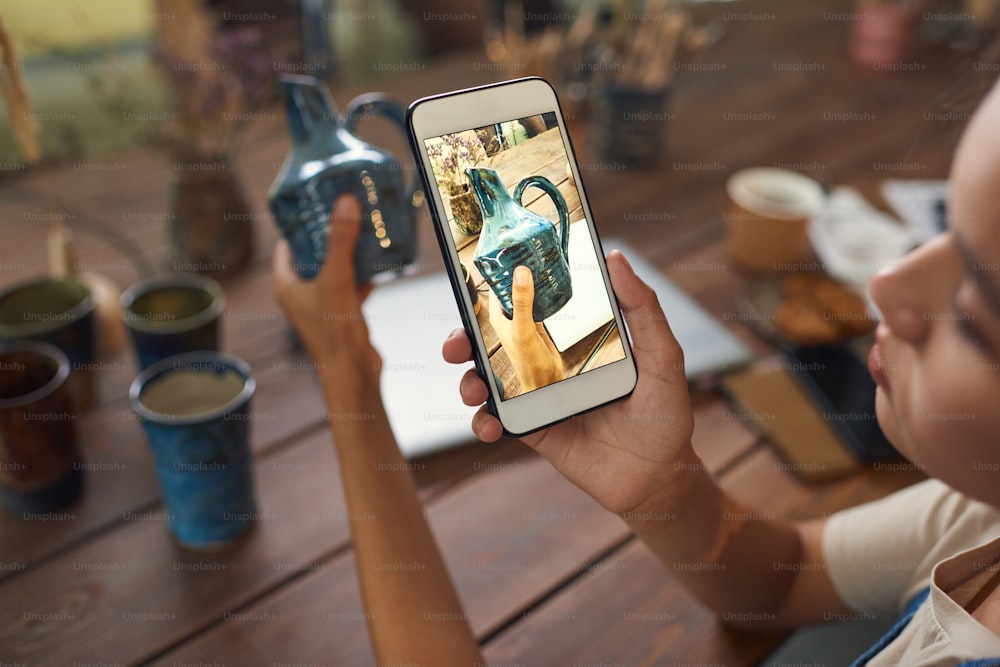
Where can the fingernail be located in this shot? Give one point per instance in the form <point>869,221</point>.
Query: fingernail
<point>343,208</point>
<point>622,263</point>
<point>521,276</point>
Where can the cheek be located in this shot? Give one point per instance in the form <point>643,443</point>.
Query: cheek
<point>888,420</point>
<point>945,418</point>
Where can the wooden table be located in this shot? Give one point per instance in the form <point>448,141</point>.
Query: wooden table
<point>547,576</point>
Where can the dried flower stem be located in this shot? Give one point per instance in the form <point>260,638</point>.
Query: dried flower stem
<point>16,98</point>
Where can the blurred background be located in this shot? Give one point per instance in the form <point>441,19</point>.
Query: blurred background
<point>95,85</point>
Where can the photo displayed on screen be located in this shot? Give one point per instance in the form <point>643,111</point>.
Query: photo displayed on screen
<point>511,201</point>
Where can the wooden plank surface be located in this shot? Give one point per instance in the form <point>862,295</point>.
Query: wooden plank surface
<point>627,611</point>
<point>552,541</point>
<point>73,605</point>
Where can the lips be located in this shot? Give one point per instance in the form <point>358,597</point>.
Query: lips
<point>876,363</point>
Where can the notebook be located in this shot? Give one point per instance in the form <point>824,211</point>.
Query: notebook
<point>409,319</point>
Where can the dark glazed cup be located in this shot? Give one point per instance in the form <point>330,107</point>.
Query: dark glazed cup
<point>195,410</point>
<point>39,461</point>
<point>59,311</point>
<point>629,124</point>
<point>173,314</point>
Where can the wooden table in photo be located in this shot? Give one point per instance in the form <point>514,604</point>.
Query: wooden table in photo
<point>547,576</point>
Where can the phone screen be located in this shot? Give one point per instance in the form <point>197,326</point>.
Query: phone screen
<point>511,200</point>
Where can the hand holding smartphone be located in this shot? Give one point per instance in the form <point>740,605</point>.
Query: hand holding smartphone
<point>551,343</point>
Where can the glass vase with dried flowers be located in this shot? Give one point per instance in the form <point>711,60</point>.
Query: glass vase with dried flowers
<point>219,79</point>
<point>452,155</point>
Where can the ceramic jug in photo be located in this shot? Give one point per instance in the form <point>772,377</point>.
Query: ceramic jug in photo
<point>513,236</point>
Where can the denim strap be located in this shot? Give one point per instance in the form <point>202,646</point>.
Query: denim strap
<point>890,636</point>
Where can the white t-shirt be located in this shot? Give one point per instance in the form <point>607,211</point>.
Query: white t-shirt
<point>880,555</point>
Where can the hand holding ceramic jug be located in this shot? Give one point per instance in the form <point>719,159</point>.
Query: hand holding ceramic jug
<point>327,160</point>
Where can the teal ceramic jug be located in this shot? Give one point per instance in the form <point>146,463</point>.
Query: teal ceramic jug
<point>326,160</point>
<point>513,236</point>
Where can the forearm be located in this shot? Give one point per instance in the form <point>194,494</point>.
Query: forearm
<point>738,562</point>
<point>414,614</point>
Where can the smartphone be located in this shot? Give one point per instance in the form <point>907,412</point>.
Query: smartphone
<point>844,391</point>
<point>505,191</point>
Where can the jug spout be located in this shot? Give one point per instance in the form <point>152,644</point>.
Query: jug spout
<point>488,189</point>
<point>309,108</point>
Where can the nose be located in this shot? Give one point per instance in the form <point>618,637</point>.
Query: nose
<point>910,290</point>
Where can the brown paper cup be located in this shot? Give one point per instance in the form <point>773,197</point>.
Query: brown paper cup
<point>767,215</point>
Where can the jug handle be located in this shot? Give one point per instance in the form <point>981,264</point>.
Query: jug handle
<point>551,190</point>
<point>381,105</point>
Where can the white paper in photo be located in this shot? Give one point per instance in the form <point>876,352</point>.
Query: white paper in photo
<point>589,308</point>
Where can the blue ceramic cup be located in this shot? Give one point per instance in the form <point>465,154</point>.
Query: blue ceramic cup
<point>195,410</point>
<point>58,311</point>
<point>173,314</point>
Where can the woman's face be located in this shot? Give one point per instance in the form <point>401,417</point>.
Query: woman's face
<point>937,357</point>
